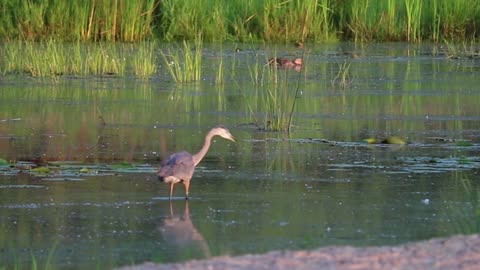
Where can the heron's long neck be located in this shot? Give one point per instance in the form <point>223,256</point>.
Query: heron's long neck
<point>198,156</point>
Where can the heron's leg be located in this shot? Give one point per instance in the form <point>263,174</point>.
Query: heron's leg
<point>171,190</point>
<point>187,186</point>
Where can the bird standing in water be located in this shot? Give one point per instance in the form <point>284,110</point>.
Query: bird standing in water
<point>179,167</point>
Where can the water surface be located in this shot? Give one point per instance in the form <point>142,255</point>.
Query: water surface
<point>100,205</point>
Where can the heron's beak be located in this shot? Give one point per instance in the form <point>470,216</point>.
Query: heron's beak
<point>230,137</point>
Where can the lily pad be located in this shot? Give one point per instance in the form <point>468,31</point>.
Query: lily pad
<point>43,170</point>
<point>370,140</point>
<point>388,140</point>
<point>3,162</point>
<point>85,170</point>
<point>393,140</point>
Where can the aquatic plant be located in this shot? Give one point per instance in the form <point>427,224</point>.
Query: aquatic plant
<point>343,77</point>
<point>219,76</point>
<point>276,99</point>
<point>296,20</point>
<point>48,264</point>
<point>218,20</point>
<point>53,59</point>
<point>105,59</point>
<point>185,20</point>
<point>79,20</point>
<point>144,60</point>
<point>184,63</point>
<point>460,50</point>
<point>413,10</point>
<point>407,20</point>
<point>46,59</point>
<point>279,95</point>
<point>34,263</point>
<point>255,68</point>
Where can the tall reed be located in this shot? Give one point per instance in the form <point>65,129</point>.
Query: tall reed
<point>457,18</point>
<point>219,20</point>
<point>355,20</point>
<point>279,91</point>
<point>255,69</point>
<point>434,17</point>
<point>343,77</point>
<point>187,19</point>
<point>414,14</point>
<point>145,60</point>
<point>296,20</point>
<point>184,63</point>
<point>54,59</point>
<point>105,59</point>
<point>78,20</point>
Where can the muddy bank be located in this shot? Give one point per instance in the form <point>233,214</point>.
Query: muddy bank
<point>456,252</point>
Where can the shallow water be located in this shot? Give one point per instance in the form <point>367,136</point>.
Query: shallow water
<point>100,205</point>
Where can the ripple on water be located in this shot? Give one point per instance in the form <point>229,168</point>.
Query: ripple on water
<point>21,186</point>
<point>70,204</point>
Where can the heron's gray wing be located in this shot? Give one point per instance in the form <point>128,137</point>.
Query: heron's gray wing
<point>179,165</point>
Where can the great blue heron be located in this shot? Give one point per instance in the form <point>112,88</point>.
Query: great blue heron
<point>179,167</point>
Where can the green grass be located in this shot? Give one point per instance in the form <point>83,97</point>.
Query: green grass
<point>276,99</point>
<point>249,20</point>
<point>413,18</point>
<point>278,89</point>
<point>184,62</point>
<point>295,20</point>
<point>461,50</point>
<point>107,20</point>
<point>51,59</point>
<point>45,263</point>
<point>144,60</point>
<point>105,59</point>
<point>343,78</point>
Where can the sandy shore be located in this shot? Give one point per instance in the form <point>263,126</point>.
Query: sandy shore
<point>456,252</point>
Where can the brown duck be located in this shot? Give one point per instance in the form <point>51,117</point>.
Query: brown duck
<point>286,63</point>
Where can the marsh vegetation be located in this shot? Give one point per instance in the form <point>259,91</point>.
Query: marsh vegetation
<point>220,20</point>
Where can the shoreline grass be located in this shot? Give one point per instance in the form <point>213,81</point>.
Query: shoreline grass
<point>54,59</point>
<point>184,63</point>
<point>241,21</point>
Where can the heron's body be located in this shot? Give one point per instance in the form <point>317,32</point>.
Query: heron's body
<point>179,167</point>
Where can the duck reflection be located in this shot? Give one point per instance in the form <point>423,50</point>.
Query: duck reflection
<point>181,235</point>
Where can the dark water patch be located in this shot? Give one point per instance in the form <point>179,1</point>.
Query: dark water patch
<point>21,186</point>
<point>74,205</point>
<point>388,143</point>
<point>54,179</point>
<point>438,165</point>
<point>73,171</point>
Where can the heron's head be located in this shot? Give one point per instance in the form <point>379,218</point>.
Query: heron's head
<point>224,133</point>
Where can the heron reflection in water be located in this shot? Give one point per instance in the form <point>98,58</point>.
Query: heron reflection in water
<point>179,167</point>
<point>181,235</point>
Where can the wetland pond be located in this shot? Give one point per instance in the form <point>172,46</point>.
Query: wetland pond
<point>77,194</point>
